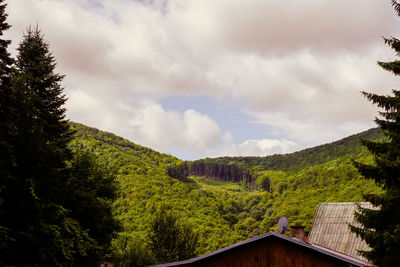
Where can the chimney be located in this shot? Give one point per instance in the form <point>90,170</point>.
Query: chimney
<point>298,232</point>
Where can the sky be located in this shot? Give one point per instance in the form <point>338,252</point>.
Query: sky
<point>208,78</point>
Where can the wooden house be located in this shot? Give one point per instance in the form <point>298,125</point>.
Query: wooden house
<point>271,249</point>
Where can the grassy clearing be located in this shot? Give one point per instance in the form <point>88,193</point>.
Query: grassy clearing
<point>218,186</point>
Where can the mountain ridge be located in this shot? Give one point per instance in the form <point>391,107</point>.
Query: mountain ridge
<point>373,134</point>
<point>349,146</point>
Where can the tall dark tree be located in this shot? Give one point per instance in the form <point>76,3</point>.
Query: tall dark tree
<point>55,207</point>
<point>39,229</point>
<point>44,109</point>
<point>380,227</point>
<point>6,125</point>
<point>5,59</point>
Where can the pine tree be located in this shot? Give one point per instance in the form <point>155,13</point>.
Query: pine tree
<point>5,59</point>
<point>44,112</point>
<point>5,73</point>
<point>380,227</point>
<point>6,129</point>
<point>55,204</point>
<point>40,231</point>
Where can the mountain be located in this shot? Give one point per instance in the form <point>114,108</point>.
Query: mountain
<point>349,147</point>
<point>240,168</point>
<point>229,199</point>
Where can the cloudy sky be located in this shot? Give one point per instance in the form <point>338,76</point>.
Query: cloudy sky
<point>205,78</point>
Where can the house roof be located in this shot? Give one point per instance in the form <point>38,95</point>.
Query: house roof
<point>330,228</point>
<point>345,258</point>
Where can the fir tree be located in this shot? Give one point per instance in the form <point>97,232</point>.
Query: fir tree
<point>55,204</point>
<point>40,231</point>
<point>6,130</point>
<point>44,125</point>
<point>380,227</point>
<point>5,59</point>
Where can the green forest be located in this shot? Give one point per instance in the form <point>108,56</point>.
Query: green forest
<point>223,211</point>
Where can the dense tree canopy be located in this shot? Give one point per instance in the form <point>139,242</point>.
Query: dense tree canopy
<point>380,227</point>
<point>170,238</point>
<point>89,192</point>
<point>221,212</point>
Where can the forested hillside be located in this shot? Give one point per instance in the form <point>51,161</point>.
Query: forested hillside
<point>144,188</point>
<point>349,147</point>
<point>241,168</point>
<point>225,211</point>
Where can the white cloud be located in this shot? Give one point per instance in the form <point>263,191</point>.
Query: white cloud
<point>147,123</point>
<point>261,147</point>
<point>312,131</point>
<point>302,84</point>
<point>297,68</point>
<point>200,131</point>
<point>277,27</point>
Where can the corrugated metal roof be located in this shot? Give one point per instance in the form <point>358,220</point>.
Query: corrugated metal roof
<point>330,228</point>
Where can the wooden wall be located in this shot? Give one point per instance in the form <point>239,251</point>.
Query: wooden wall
<point>270,252</point>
